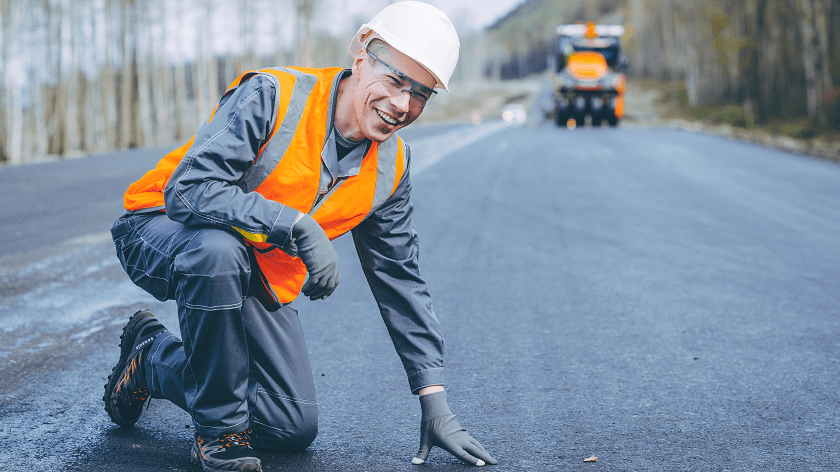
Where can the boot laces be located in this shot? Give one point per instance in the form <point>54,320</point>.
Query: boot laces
<point>230,440</point>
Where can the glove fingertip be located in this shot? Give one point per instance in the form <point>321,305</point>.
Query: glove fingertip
<point>422,454</point>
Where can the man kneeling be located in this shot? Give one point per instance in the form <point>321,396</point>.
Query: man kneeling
<point>231,224</point>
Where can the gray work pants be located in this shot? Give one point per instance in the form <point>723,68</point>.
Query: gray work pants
<point>237,365</point>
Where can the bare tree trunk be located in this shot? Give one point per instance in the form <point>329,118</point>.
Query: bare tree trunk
<point>821,18</point>
<point>669,38</point>
<point>127,78</point>
<point>809,59</point>
<point>248,24</point>
<point>183,116</point>
<point>145,135</point>
<point>94,94</point>
<point>812,60</point>
<point>54,119</point>
<point>40,139</point>
<point>4,95</point>
<point>162,91</point>
<point>305,11</point>
<point>770,57</point>
<point>211,63</point>
<point>205,66</point>
<point>752,36</point>
<point>280,53</point>
<point>72,123</point>
<point>23,97</point>
<point>108,92</point>
<point>88,85</point>
<point>26,51</point>
<point>13,101</point>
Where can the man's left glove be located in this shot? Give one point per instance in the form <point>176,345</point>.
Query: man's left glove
<point>440,428</point>
<point>318,255</point>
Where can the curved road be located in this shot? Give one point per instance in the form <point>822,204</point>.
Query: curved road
<point>661,299</point>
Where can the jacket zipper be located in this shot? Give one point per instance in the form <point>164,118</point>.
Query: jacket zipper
<point>323,198</point>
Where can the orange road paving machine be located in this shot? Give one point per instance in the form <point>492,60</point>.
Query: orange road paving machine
<point>590,79</point>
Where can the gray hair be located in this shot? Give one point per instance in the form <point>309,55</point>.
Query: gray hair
<point>378,46</point>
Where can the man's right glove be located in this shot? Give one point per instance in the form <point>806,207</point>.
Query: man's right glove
<point>439,428</point>
<point>318,255</point>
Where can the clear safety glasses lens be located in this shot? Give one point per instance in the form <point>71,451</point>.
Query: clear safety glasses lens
<point>399,83</point>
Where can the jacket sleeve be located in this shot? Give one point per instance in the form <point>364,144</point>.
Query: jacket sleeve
<point>388,249</point>
<point>203,190</point>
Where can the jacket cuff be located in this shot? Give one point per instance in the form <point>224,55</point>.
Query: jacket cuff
<point>281,230</point>
<point>425,378</point>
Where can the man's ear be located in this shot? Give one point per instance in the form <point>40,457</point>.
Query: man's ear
<point>361,55</point>
<point>357,63</point>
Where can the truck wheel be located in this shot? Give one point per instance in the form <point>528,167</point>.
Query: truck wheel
<point>561,117</point>
<point>561,112</point>
<point>580,118</point>
<point>609,114</point>
<point>580,110</point>
<point>597,111</point>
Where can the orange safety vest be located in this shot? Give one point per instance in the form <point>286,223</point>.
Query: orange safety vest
<point>288,170</point>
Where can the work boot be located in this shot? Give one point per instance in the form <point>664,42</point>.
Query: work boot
<point>126,390</point>
<point>228,452</point>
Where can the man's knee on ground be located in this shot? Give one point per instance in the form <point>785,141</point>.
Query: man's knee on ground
<point>291,438</point>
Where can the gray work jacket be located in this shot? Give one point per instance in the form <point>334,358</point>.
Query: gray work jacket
<point>223,150</point>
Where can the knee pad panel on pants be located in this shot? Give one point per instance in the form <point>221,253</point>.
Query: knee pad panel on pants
<point>282,423</point>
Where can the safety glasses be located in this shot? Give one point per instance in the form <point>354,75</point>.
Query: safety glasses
<point>398,83</point>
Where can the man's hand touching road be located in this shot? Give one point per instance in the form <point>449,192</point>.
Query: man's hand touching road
<point>439,428</point>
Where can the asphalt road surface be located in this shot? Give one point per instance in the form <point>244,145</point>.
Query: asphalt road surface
<point>661,299</point>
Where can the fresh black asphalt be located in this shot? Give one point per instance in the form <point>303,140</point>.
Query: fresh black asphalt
<point>661,299</point>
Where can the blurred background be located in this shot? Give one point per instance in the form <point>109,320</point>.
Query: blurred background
<point>91,76</point>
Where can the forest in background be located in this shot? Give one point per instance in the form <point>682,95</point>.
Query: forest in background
<point>89,76</point>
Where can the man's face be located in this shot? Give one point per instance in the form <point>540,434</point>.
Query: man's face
<point>381,105</point>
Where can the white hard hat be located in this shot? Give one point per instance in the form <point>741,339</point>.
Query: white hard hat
<point>421,32</point>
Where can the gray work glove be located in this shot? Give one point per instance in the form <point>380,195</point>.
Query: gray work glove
<point>311,244</point>
<point>439,428</point>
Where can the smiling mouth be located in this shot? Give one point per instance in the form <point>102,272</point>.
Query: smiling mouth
<point>387,119</point>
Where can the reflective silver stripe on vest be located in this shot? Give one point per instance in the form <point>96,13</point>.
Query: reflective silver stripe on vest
<point>333,95</point>
<point>386,171</point>
<point>282,139</point>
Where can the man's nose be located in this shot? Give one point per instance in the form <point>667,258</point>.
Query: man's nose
<point>402,101</point>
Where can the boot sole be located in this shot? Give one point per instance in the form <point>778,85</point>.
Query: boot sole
<point>195,458</point>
